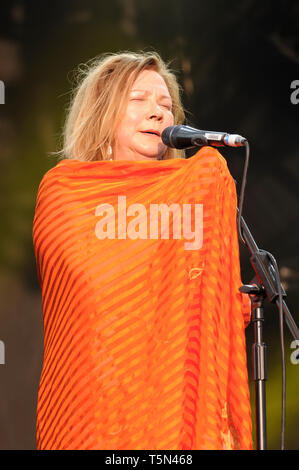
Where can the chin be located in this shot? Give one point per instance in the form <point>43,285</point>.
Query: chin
<point>155,155</point>
<point>148,157</point>
<point>145,155</point>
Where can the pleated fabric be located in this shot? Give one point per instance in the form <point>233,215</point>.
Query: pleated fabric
<point>144,338</point>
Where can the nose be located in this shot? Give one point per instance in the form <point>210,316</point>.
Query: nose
<point>155,111</point>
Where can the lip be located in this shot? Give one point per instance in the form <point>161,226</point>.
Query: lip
<point>152,131</point>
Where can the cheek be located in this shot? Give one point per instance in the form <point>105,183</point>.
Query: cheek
<point>130,123</point>
<point>125,129</point>
<point>135,116</point>
<point>170,120</point>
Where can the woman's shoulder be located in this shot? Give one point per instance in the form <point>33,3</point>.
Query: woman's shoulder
<point>209,154</point>
<point>210,160</point>
<point>51,178</point>
<point>61,167</point>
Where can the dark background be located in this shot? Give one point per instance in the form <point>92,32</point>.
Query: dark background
<point>235,61</point>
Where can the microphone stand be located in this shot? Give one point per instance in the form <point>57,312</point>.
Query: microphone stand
<point>263,285</point>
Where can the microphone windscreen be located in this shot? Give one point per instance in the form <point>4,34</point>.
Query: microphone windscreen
<point>166,135</point>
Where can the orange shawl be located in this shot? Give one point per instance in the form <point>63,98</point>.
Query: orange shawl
<point>144,344</point>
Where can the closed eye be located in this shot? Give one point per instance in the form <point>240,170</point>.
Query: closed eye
<point>167,106</point>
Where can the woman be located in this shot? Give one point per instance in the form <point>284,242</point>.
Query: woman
<point>144,344</point>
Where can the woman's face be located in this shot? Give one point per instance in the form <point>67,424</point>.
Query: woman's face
<point>148,113</point>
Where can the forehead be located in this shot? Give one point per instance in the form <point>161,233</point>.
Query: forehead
<point>149,79</point>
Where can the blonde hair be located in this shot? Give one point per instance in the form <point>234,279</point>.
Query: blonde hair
<point>100,97</point>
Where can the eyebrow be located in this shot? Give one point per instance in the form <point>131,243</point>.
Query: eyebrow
<point>147,92</point>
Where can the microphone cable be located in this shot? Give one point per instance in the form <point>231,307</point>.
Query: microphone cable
<point>281,318</point>
<point>242,191</point>
<point>281,315</point>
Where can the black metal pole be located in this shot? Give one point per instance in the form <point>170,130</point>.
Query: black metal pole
<point>259,377</point>
<point>259,364</point>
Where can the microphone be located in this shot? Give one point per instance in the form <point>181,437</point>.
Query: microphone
<point>184,137</point>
